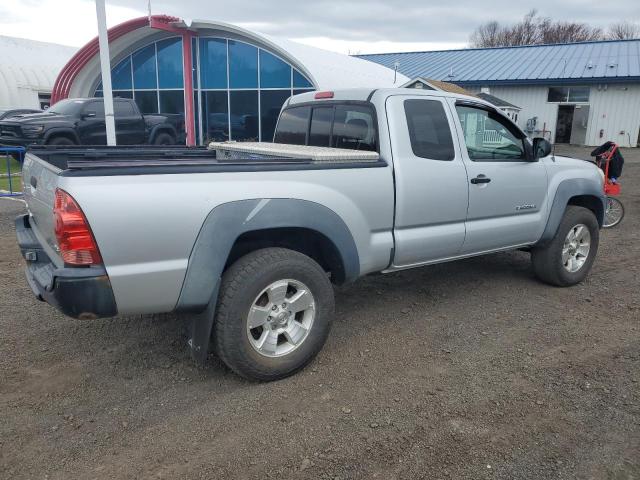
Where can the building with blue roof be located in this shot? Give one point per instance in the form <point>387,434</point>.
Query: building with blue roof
<point>580,93</point>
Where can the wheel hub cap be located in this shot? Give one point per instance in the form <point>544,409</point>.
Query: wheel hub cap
<point>280,318</point>
<point>576,248</point>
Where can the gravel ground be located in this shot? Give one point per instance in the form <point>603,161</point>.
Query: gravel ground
<point>466,370</point>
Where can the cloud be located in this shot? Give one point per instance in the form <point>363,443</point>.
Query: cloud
<point>385,20</point>
<point>347,25</point>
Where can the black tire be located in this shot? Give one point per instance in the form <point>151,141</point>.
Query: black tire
<point>614,213</point>
<point>164,139</point>
<point>241,285</point>
<point>60,142</point>
<point>547,261</point>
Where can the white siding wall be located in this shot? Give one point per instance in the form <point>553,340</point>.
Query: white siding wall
<point>614,109</point>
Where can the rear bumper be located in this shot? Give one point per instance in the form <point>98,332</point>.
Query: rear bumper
<point>83,293</point>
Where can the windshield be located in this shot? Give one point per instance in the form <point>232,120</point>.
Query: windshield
<point>67,107</point>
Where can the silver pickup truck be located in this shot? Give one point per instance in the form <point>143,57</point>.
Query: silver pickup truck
<point>248,238</point>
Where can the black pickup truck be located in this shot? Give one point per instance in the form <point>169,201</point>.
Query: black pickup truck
<point>80,121</point>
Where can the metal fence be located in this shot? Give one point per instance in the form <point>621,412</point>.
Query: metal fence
<point>11,159</point>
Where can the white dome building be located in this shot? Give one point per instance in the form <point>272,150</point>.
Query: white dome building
<point>227,81</point>
<point>28,70</point>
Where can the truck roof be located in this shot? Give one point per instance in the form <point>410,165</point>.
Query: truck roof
<point>364,94</point>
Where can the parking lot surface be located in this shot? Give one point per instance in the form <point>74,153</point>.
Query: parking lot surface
<point>464,370</point>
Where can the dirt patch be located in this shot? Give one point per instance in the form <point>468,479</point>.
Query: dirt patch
<point>466,370</point>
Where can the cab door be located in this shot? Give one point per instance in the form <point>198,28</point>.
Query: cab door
<point>431,180</point>
<point>91,126</point>
<point>507,188</point>
<point>130,126</point>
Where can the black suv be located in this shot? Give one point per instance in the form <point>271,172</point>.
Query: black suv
<point>80,121</point>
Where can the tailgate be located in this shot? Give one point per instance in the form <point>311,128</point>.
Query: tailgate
<point>40,180</point>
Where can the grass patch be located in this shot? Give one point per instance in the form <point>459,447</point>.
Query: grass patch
<point>13,167</point>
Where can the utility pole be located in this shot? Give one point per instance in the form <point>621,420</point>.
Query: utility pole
<point>105,68</point>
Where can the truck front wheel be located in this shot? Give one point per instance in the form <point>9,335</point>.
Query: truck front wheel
<point>567,259</point>
<point>274,313</point>
<point>60,142</point>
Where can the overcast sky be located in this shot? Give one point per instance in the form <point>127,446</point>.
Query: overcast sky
<point>347,26</point>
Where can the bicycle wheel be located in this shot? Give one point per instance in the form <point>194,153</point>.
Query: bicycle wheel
<point>614,213</point>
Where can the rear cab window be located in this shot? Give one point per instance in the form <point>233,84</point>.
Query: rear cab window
<point>340,125</point>
<point>429,130</point>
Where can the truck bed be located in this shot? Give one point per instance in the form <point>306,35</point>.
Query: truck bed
<point>224,156</point>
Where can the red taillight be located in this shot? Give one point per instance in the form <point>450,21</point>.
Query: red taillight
<point>75,240</point>
<point>321,95</point>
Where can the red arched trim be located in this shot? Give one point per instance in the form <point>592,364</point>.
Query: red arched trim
<point>69,72</point>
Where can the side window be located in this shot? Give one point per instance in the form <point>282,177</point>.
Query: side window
<point>96,108</point>
<point>123,109</point>
<point>320,132</point>
<point>354,128</point>
<point>489,137</point>
<point>292,126</point>
<point>429,130</point>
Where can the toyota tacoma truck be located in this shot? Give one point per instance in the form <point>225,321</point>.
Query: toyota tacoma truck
<point>248,238</point>
<point>80,121</point>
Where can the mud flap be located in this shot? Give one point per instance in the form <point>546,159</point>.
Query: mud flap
<point>201,327</point>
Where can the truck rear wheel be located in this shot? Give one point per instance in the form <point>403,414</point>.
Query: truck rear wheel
<point>164,139</point>
<point>567,259</point>
<point>274,314</point>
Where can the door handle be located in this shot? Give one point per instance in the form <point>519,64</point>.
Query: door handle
<point>480,179</point>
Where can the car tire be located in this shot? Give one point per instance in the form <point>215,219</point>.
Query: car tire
<point>567,259</point>
<point>60,142</point>
<point>164,139</point>
<point>260,332</point>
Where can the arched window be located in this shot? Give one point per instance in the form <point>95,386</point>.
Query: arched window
<point>239,88</point>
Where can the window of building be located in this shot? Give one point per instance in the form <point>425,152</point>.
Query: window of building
<point>223,70</point>
<point>243,65</point>
<point>489,137</point>
<point>44,99</point>
<point>244,115</point>
<point>213,61</point>
<point>274,73</point>
<point>171,101</point>
<point>215,116</point>
<point>429,130</point>
<point>144,68</point>
<point>147,101</point>
<point>169,59</point>
<point>121,75</point>
<point>300,81</point>
<point>568,94</point>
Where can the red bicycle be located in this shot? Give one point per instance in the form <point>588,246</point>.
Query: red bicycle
<point>614,212</point>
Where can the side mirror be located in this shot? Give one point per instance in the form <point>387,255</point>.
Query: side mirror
<point>88,115</point>
<point>541,148</point>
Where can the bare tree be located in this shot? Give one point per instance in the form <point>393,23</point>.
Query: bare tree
<point>532,30</point>
<point>623,31</point>
<point>487,35</point>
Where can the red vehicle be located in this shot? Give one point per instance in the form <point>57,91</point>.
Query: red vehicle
<point>605,155</point>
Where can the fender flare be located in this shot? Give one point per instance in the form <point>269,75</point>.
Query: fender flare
<point>62,131</point>
<point>220,230</point>
<point>567,189</point>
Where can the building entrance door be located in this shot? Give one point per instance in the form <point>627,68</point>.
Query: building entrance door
<point>564,123</point>
<point>579,125</point>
